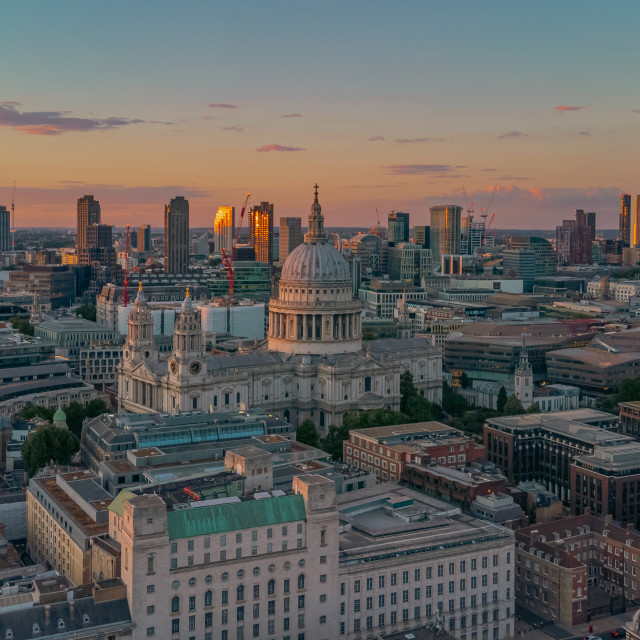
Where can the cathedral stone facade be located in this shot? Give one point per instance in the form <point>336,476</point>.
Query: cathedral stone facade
<point>314,364</point>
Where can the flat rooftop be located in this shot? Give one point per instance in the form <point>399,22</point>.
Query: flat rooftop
<point>414,429</point>
<point>388,520</point>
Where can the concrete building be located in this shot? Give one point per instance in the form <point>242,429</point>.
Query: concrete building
<point>445,230</point>
<point>545,262</point>
<point>409,262</point>
<point>224,225</point>
<point>499,508</point>
<point>314,365</point>
<point>399,226</point>
<point>520,263</point>
<point>87,213</point>
<point>65,512</point>
<point>53,283</point>
<point>261,232</point>
<point>176,236</point>
<point>472,236</point>
<point>542,447</point>
<point>144,238</point>
<point>386,451</point>
<point>251,280</point>
<point>290,236</point>
<point>573,240</point>
<point>381,297</point>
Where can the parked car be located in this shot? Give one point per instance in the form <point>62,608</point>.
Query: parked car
<point>619,633</point>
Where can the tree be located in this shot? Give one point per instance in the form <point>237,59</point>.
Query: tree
<point>214,262</point>
<point>513,407</point>
<point>415,406</point>
<point>87,311</point>
<point>332,444</point>
<point>502,399</point>
<point>534,408</point>
<point>373,418</point>
<point>30,411</point>
<point>22,325</point>
<point>308,434</point>
<point>453,403</point>
<point>76,414</point>
<point>95,408</point>
<point>48,443</point>
<point>465,383</point>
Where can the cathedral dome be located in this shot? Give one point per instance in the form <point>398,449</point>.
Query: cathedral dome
<point>315,263</point>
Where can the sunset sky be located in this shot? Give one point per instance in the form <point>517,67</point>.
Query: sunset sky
<point>395,104</point>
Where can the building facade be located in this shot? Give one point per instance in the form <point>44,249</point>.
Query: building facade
<point>290,236</point>
<point>176,236</point>
<point>625,220</point>
<point>224,224</point>
<point>445,230</point>
<point>87,212</point>
<point>261,231</point>
<point>5,229</point>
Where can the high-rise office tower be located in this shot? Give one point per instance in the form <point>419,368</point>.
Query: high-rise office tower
<point>223,226</point>
<point>625,219</point>
<point>471,235</point>
<point>290,236</point>
<point>88,212</point>
<point>573,240</point>
<point>261,231</point>
<point>422,236</point>
<point>5,229</point>
<point>176,236</point>
<point>398,223</point>
<point>591,221</point>
<point>445,230</point>
<point>144,238</point>
<point>635,225</point>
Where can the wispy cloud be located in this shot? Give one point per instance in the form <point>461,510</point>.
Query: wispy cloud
<point>583,133</point>
<point>278,147</point>
<point>635,110</point>
<point>236,128</point>
<point>55,123</point>
<point>222,105</point>
<point>292,115</point>
<point>514,178</point>
<point>376,138</point>
<point>514,134</point>
<point>410,140</point>
<point>420,169</point>
<point>565,107</point>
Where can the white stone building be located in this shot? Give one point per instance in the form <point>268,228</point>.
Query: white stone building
<point>315,365</point>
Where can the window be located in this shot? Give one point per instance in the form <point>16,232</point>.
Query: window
<point>271,607</point>
<point>151,631</point>
<point>208,598</point>
<point>394,578</point>
<point>225,616</point>
<point>175,625</point>
<point>301,581</point>
<point>192,623</point>
<point>240,593</point>
<point>175,604</point>
<point>271,587</point>
<point>174,563</point>
<point>256,591</point>
<point>381,581</point>
<point>369,584</point>
<point>405,577</point>
<point>150,564</point>
<point>174,547</point>
<point>256,610</point>
<point>239,613</point>
<point>394,597</point>
<point>300,602</point>
<point>416,574</point>
<point>416,593</point>
<point>150,609</point>
<point>192,603</point>
<point>381,600</point>
<point>225,597</point>
<point>151,588</point>
<point>286,585</point>
<point>356,605</point>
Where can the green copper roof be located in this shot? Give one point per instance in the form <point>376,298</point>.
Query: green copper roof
<point>117,506</point>
<point>59,415</point>
<point>234,516</point>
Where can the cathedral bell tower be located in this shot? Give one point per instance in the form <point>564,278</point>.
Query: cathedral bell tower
<point>139,345</point>
<point>523,379</point>
<point>187,360</point>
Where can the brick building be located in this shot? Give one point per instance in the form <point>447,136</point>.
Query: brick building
<point>630,419</point>
<point>558,562</point>
<point>386,450</point>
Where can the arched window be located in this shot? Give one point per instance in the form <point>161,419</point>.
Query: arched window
<point>367,383</point>
<point>301,581</point>
<point>175,604</point>
<point>240,593</point>
<point>322,418</point>
<point>271,587</point>
<point>208,598</point>
<point>287,415</point>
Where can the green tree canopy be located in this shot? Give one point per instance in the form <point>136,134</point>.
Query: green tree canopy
<point>48,443</point>
<point>373,418</point>
<point>502,399</point>
<point>87,311</point>
<point>453,403</point>
<point>76,413</point>
<point>22,325</point>
<point>465,383</point>
<point>332,444</point>
<point>30,411</point>
<point>513,407</point>
<point>95,408</point>
<point>308,434</point>
<point>534,408</point>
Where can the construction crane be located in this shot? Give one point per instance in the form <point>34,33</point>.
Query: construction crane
<point>486,231</point>
<point>227,260</point>
<point>485,212</point>
<point>13,218</point>
<point>125,292</point>
<point>377,214</point>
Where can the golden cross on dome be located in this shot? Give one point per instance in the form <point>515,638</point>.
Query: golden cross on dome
<point>140,285</point>
<point>187,292</point>
<point>315,186</point>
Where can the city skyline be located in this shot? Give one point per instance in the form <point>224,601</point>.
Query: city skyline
<point>390,106</point>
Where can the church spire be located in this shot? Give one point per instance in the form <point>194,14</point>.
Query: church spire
<point>316,232</point>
